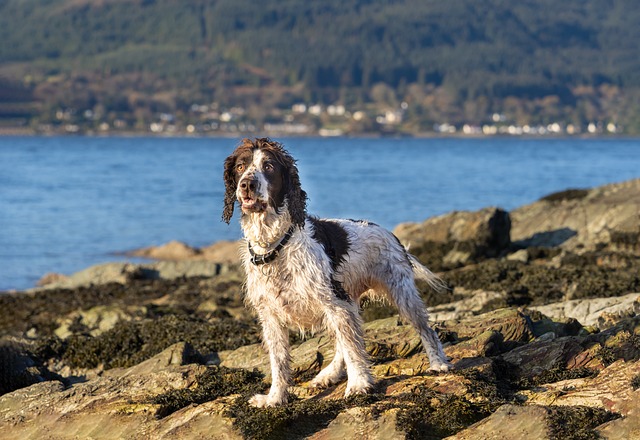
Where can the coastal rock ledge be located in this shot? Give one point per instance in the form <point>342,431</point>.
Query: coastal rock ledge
<point>541,322</point>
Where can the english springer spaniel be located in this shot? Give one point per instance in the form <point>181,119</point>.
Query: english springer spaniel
<point>311,273</point>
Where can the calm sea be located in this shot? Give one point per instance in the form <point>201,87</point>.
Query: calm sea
<point>70,202</point>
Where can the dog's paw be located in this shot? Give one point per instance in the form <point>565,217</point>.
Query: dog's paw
<point>355,388</point>
<point>263,400</point>
<point>322,381</point>
<point>440,365</point>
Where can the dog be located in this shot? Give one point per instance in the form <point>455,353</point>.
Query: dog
<point>311,273</point>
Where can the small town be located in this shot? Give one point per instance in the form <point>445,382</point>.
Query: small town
<point>302,120</point>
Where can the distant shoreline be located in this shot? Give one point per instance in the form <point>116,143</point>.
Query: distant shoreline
<point>423,135</point>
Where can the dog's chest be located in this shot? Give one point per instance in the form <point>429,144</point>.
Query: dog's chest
<point>293,299</point>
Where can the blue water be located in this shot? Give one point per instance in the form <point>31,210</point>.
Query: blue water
<point>70,202</point>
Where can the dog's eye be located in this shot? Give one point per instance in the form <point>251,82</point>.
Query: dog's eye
<point>240,167</point>
<point>268,167</point>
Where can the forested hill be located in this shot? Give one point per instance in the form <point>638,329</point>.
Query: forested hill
<point>172,53</point>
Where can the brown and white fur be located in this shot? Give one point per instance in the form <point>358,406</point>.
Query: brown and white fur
<point>318,277</point>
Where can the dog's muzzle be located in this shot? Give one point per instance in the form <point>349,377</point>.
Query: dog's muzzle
<point>248,196</point>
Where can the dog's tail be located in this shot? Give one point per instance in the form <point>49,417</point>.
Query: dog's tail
<point>422,273</point>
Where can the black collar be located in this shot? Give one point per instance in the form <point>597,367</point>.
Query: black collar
<point>260,259</point>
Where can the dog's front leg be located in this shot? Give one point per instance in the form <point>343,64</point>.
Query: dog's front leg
<point>275,337</point>
<point>344,321</point>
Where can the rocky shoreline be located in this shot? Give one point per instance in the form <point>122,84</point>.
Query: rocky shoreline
<point>542,322</point>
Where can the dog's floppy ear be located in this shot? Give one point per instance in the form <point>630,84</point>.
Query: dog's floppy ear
<point>229,186</point>
<point>294,194</point>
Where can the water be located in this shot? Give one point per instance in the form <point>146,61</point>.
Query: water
<point>70,202</point>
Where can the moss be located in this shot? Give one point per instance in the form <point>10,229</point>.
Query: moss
<point>40,310</point>
<point>296,420</point>
<point>129,343</point>
<point>635,382</point>
<point>556,375</point>
<point>623,346</point>
<point>434,416</point>
<point>215,382</point>
<point>577,422</point>
<point>380,353</point>
<point>540,284</point>
<point>496,385</point>
<point>569,194</point>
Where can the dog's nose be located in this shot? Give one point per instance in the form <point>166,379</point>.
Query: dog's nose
<point>248,185</point>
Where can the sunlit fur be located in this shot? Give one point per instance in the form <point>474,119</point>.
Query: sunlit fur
<point>301,288</point>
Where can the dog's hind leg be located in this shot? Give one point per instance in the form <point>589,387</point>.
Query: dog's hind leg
<point>405,295</point>
<point>332,373</point>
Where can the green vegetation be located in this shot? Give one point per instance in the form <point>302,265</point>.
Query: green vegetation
<point>235,65</point>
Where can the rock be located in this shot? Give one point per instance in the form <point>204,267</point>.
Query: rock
<point>223,252</point>
<point>457,238</point>
<point>536,422</point>
<point>362,424</point>
<point>17,368</point>
<point>109,407</point>
<point>168,270</point>
<point>96,320</point>
<point>509,422</point>
<point>599,312</point>
<point>515,327</point>
<point>124,273</point>
<point>120,273</point>
<point>177,354</point>
<point>521,255</point>
<point>51,278</point>
<point>165,397</point>
<point>474,302</point>
<point>582,220</point>
<point>611,389</point>
<point>545,355</point>
<point>627,427</point>
<point>174,250</point>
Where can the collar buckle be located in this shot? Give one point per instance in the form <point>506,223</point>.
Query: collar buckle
<point>260,259</point>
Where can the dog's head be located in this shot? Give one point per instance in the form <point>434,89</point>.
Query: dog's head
<point>260,174</point>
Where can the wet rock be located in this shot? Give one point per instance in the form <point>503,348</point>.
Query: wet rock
<point>125,273</point>
<point>536,422</point>
<point>509,422</point>
<point>542,356</point>
<point>106,407</point>
<point>167,395</point>
<point>582,220</point>
<point>96,320</point>
<point>223,252</point>
<point>362,423</point>
<point>473,302</point>
<point>174,250</point>
<point>610,389</point>
<point>51,278</point>
<point>599,312</point>
<point>627,427</point>
<point>18,368</point>
<point>545,282</point>
<point>514,326</point>
<point>180,353</point>
<point>457,238</point>
<point>120,273</point>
